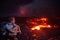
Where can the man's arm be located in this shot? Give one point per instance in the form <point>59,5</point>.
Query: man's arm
<point>19,29</point>
<point>7,27</point>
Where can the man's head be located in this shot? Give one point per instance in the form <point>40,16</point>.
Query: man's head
<point>11,20</point>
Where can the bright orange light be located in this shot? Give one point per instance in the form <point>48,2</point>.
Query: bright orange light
<point>34,23</point>
<point>42,26</point>
<point>45,19</point>
<point>49,26</point>
<point>39,26</point>
<point>36,27</point>
<point>45,26</point>
<point>33,28</point>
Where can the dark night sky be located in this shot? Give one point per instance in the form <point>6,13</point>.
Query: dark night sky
<point>30,8</point>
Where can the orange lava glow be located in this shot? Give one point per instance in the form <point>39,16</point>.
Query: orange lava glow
<point>39,26</point>
<point>40,22</point>
<point>45,19</point>
<point>36,27</point>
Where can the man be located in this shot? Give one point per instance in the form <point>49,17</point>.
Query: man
<point>11,29</point>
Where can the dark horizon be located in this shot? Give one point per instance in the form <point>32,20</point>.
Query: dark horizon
<point>31,8</point>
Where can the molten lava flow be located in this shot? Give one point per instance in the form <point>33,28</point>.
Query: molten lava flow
<point>42,23</point>
<point>43,19</point>
<point>36,27</point>
<point>47,26</point>
<point>39,26</point>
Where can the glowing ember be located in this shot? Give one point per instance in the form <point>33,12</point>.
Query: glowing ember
<point>49,26</point>
<point>42,23</point>
<point>39,26</point>
<point>44,26</point>
<point>34,23</point>
<point>45,19</point>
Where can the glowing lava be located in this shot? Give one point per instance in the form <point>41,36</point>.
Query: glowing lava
<point>43,19</point>
<point>36,27</point>
<point>39,26</point>
<point>42,23</point>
